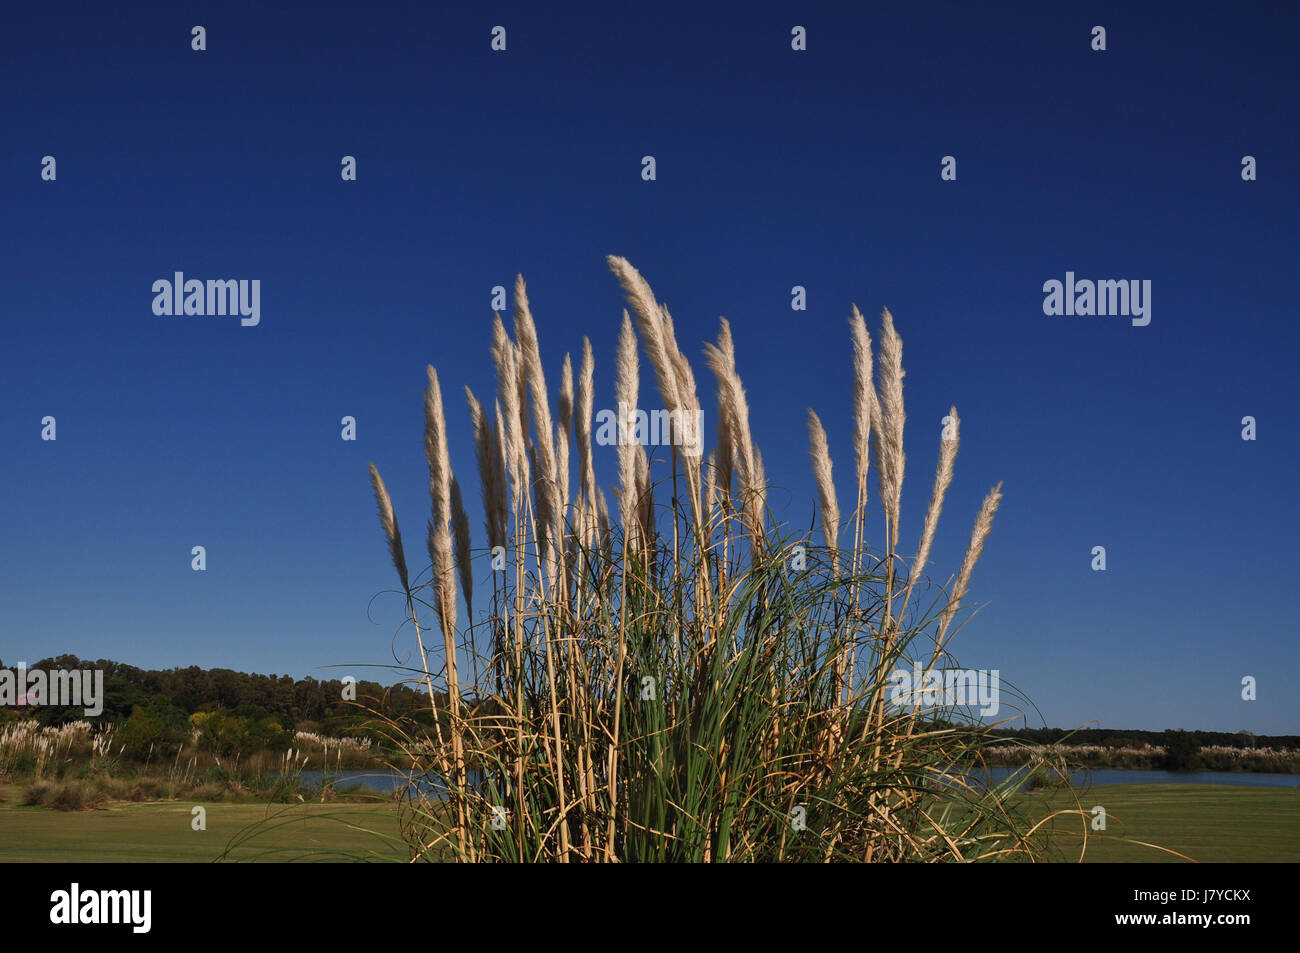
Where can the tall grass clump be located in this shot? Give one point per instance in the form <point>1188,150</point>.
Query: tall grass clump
<point>673,676</point>
<point>28,749</point>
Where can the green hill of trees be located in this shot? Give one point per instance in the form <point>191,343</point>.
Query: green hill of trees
<point>238,710</point>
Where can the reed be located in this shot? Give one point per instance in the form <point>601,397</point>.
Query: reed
<point>682,678</point>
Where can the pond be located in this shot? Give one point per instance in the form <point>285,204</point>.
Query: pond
<point>386,781</point>
<point>1094,777</point>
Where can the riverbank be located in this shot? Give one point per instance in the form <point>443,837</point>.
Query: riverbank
<point>1147,757</point>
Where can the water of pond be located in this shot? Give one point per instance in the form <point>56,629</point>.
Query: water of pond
<point>382,780</point>
<point>1094,777</point>
<point>386,781</point>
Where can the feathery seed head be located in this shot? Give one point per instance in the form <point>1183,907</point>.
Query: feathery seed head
<point>819,450</point>
<point>388,521</point>
<point>890,386</point>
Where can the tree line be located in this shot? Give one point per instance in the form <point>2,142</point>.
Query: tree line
<point>281,703</point>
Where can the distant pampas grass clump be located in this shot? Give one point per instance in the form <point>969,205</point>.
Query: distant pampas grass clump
<point>675,677</point>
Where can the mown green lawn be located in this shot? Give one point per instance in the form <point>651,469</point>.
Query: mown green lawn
<point>1206,822</point>
<point>162,832</point>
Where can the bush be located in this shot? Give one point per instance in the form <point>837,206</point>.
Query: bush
<point>38,793</point>
<point>147,789</point>
<point>76,796</point>
<point>1048,775</point>
<point>68,796</point>
<point>222,734</point>
<point>1182,751</point>
<point>154,730</point>
<point>229,735</point>
<point>208,791</point>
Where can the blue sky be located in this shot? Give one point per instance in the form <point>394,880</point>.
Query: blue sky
<point>775,168</point>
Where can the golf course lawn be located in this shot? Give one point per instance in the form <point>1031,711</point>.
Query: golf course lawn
<point>161,831</point>
<point>1205,822</point>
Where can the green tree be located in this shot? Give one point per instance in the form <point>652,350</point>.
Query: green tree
<point>1182,750</point>
<point>154,729</point>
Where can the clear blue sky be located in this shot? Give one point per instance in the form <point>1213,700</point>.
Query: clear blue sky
<point>775,168</point>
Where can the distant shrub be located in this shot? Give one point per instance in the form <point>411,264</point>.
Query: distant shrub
<point>147,788</point>
<point>230,735</point>
<point>1182,751</point>
<point>76,796</point>
<point>68,796</point>
<point>208,791</point>
<point>37,794</point>
<point>155,730</point>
